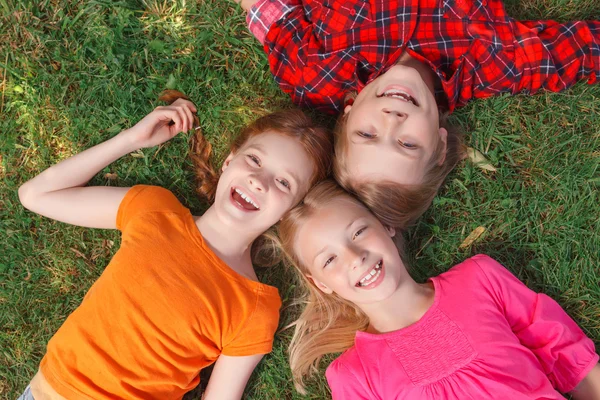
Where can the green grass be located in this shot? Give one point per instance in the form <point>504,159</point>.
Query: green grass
<point>73,73</point>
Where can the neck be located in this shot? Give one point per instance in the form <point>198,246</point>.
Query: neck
<point>403,308</point>
<point>230,244</point>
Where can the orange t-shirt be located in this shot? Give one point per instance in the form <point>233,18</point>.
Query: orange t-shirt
<point>165,307</point>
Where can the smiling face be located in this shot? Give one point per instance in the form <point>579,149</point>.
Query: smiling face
<point>266,177</point>
<point>392,129</point>
<point>347,251</point>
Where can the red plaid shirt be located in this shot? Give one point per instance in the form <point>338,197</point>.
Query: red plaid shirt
<point>320,49</point>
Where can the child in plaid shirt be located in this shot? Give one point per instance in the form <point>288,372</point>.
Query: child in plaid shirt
<point>391,66</point>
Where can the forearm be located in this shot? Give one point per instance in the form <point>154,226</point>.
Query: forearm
<point>589,387</point>
<point>568,53</point>
<point>58,192</point>
<point>76,171</point>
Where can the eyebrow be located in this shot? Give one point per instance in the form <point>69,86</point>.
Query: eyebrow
<point>257,147</point>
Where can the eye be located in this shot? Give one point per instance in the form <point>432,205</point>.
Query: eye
<point>329,261</point>
<point>254,159</point>
<point>407,145</point>
<point>365,135</point>
<point>285,183</point>
<point>358,232</point>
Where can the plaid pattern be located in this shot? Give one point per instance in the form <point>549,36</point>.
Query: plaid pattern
<point>320,49</point>
<point>263,14</point>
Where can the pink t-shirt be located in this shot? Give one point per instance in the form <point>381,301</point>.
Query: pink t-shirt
<point>485,336</point>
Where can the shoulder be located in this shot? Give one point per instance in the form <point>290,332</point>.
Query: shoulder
<point>143,199</point>
<point>347,366</point>
<point>152,196</point>
<point>476,268</point>
<point>478,272</point>
<point>346,377</point>
<point>263,315</point>
<point>268,306</point>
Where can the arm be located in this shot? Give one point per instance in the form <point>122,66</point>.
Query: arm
<point>246,4</point>
<point>565,353</point>
<point>560,54</point>
<point>314,69</point>
<point>60,193</point>
<point>589,387</point>
<point>345,383</point>
<point>229,377</point>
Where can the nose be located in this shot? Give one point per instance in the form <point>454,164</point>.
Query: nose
<point>398,115</point>
<point>357,256</point>
<point>256,182</point>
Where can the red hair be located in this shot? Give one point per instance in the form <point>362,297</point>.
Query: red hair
<point>315,140</point>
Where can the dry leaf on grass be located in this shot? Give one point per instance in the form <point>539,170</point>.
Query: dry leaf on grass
<point>479,159</point>
<point>137,154</point>
<point>78,253</point>
<point>473,236</point>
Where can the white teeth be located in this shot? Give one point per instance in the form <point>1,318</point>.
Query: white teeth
<point>246,197</point>
<point>399,94</point>
<point>371,276</point>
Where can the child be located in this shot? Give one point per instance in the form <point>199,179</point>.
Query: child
<point>390,142</point>
<point>474,332</point>
<point>181,293</point>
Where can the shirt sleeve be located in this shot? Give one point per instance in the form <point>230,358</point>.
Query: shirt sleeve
<point>344,383</point>
<point>266,12</point>
<point>142,199</point>
<point>257,334</point>
<point>558,54</point>
<point>565,353</point>
<point>312,74</point>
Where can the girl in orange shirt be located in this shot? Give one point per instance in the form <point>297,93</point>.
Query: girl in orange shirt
<point>181,292</point>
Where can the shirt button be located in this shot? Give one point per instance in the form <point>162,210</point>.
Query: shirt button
<point>353,12</point>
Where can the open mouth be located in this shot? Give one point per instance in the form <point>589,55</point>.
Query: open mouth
<point>372,276</point>
<point>400,94</point>
<point>243,200</point>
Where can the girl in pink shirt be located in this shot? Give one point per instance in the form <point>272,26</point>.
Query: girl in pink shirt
<point>473,332</point>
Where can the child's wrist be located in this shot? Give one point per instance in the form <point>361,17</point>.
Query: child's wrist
<point>128,141</point>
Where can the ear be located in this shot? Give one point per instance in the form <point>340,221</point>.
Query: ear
<point>347,108</point>
<point>320,285</point>
<point>391,231</point>
<point>444,138</point>
<point>227,161</point>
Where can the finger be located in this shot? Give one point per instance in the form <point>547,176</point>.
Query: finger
<point>171,113</point>
<point>190,116</point>
<point>184,119</point>
<point>186,102</point>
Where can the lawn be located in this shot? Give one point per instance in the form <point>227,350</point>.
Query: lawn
<point>74,73</point>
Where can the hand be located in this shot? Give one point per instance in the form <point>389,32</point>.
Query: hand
<point>162,124</point>
<point>246,4</point>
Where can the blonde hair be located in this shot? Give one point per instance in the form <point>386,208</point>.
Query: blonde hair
<point>328,323</point>
<point>398,205</point>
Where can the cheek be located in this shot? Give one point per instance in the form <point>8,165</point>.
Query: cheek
<point>429,127</point>
<point>338,278</point>
<point>281,199</point>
